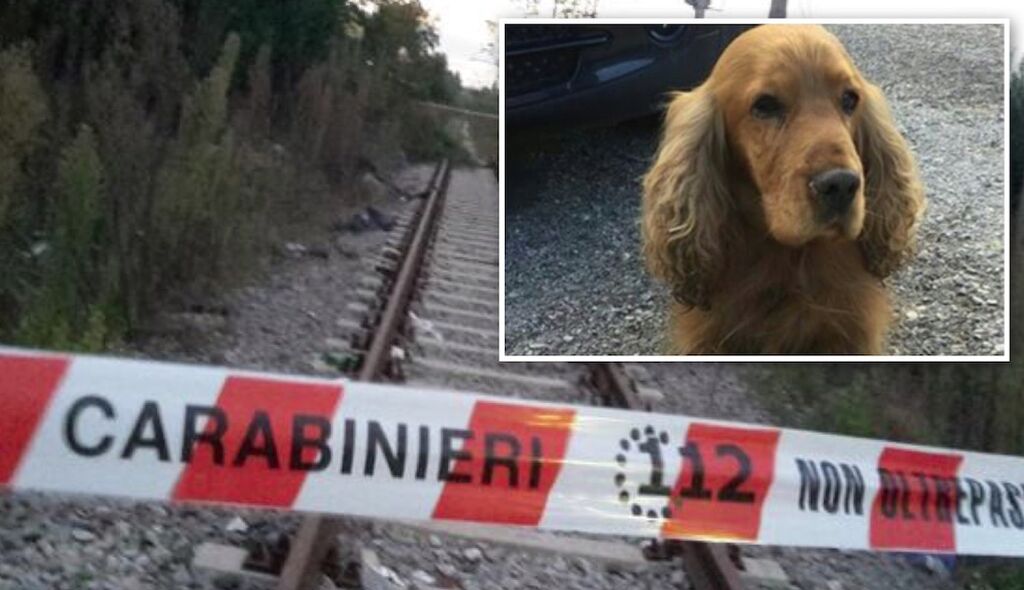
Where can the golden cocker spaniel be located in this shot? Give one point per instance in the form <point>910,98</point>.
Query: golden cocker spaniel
<point>780,197</point>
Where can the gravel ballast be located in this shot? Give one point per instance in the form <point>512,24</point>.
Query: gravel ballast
<point>575,283</point>
<point>72,543</point>
<point>279,324</point>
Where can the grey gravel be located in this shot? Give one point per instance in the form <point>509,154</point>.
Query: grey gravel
<point>282,324</point>
<point>80,535</point>
<point>494,567</point>
<point>950,300</point>
<point>279,324</point>
<point>471,202</point>
<point>574,277</point>
<point>473,554</point>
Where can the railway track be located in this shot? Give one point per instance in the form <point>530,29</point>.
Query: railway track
<point>428,314</point>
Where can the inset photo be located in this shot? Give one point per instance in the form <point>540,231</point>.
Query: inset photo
<point>716,190</point>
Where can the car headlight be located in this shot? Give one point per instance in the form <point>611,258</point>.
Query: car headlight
<point>665,33</point>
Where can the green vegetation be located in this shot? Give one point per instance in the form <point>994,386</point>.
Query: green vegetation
<point>71,266</point>
<point>151,150</point>
<point>197,196</point>
<point>482,100</point>
<point>23,108</point>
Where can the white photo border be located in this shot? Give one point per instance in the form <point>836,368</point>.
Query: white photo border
<point>757,358</point>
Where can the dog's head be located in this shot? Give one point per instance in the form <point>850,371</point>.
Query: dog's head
<point>786,137</point>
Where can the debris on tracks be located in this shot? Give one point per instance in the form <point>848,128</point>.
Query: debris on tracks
<point>369,219</point>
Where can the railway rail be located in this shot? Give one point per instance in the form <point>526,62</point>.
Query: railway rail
<point>428,314</point>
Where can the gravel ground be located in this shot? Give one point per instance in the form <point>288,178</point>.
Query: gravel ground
<point>279,324</point>
<point>66,543</point>
<point>575,283</point>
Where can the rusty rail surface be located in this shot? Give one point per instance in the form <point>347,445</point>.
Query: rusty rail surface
<point>709,566</point>
<point>316,534</point>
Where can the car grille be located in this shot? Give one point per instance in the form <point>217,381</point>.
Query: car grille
<point>541,56</point>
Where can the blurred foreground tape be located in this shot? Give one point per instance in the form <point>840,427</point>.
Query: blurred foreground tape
<point>179,433</point>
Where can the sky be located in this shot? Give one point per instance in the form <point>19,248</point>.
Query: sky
<point>464,34</point>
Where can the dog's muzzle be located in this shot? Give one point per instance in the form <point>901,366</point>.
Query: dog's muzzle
<point>835,190</point>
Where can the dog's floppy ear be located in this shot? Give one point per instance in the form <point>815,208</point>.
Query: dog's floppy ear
<point>686,204</point>
<point>893,192</point>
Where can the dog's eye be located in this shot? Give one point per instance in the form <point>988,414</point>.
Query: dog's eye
<point>767,107</point>
<point>849,101</point>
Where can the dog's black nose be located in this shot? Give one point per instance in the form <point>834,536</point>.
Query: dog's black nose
<point>836,189</point>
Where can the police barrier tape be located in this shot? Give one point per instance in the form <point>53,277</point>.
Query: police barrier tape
<point>168,432</point>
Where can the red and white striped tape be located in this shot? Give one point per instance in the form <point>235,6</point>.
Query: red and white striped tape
<point>159,431</point>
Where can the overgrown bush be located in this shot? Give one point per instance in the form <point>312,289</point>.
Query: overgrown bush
<point>258,111</point>
<point>23,108</point>
<point>197,204</point>
<point>428,135</point>
<point>76,277</point>
<point>145,145</point>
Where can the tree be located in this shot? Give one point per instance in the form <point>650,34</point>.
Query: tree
<point>300,33</point>
<point>401,38</point>
<point>23,109</point>
<point>399,24</point>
